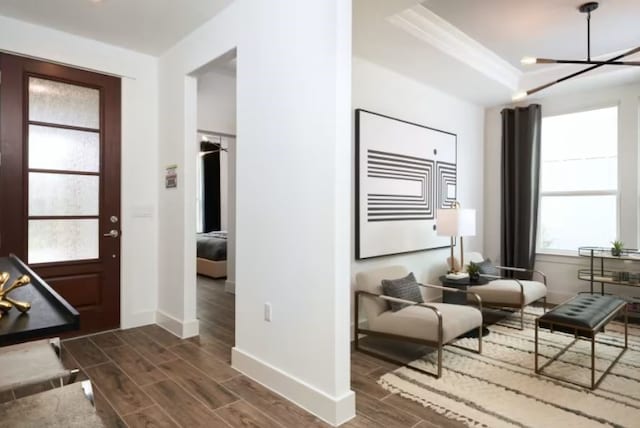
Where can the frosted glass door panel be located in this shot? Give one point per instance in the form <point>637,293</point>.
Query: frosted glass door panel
<point>62,240</point>
<point>63,194</point>
<point>63,104</point>
<point>63,149</point>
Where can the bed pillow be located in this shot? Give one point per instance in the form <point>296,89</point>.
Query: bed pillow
<point>403,288</point>
<point>487,267</point>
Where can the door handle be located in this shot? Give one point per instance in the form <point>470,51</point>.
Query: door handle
<point>113,233</point>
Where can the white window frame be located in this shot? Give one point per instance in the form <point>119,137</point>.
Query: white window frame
<point>565,193</point>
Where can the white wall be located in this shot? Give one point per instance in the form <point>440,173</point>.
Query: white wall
<point>217,102</point>
<point>293,196</point>
<point>139,238</point>
<point>562,270</point>
<point>383,91</point>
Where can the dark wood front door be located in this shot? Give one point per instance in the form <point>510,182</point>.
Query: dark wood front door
<point>60,182</point>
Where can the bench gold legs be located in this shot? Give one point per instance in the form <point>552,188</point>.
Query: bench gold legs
<point>592,334</point>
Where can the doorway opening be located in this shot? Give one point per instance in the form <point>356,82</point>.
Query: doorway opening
<point>215,203</point>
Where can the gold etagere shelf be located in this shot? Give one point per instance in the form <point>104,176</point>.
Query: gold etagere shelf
<point>612,273</point>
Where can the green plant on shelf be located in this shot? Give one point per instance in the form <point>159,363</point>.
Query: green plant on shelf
<point>616,249</point>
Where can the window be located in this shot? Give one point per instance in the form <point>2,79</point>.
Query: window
<point>578,180</point>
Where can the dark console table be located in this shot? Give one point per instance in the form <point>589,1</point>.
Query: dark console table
<point>50,314</point>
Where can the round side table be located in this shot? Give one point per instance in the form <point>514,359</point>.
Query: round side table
<point>461,298</point>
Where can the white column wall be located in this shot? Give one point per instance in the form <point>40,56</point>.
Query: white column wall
<point>292,193</point>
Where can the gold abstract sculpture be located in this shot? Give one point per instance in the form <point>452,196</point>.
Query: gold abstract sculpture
<point>6,302</point>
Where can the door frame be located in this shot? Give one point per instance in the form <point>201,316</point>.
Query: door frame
<point>13,146</point>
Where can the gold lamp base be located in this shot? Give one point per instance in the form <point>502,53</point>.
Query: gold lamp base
<point>454,273</point>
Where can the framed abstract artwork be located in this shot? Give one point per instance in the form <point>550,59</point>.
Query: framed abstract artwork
<point>405,172</point>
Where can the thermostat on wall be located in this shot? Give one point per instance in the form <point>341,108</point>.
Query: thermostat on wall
<point>171,177</point>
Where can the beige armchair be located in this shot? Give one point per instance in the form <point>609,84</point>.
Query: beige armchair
<point>431,324</point>
<point>510,293</point>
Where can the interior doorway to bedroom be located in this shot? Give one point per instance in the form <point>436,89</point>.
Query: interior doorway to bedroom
<point>215,205</point>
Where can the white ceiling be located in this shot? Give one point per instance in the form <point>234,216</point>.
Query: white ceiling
<point>467,47</point>
<point>456,62</point>
<point>379,41</point>
<point>148,26</point>
<point>543,28</point>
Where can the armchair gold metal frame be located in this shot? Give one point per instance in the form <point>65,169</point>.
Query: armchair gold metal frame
<point>438,345</point>
<point>72,373</point>
<point>16,359</point>
<point>521,304</point>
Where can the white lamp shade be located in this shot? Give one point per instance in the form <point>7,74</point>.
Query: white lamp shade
<point>456,222</point>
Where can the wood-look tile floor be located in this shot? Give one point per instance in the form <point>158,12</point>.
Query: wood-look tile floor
<point>146,377</point>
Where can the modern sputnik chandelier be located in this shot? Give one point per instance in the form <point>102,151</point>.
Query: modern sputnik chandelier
<point>585,8</point>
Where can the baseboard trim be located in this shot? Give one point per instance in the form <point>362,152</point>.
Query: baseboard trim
<point>334,411</point>
<point>230,286</point>
<point>138,319</point>
<point>182,329</point>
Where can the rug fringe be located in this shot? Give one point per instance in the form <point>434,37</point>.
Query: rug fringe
<point>575,404</point>
<point>443,411</point>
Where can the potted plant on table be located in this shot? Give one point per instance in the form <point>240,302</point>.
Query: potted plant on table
<point>474,272</point>
<point>617,248</point>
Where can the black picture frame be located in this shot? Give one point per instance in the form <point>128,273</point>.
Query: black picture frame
<point>397,158</point>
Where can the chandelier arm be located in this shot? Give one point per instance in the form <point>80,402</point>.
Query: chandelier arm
<point>577,73</point>
<point>584,8</point>
<point>583,62</point>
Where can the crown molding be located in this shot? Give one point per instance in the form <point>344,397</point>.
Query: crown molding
<point>420,22</point>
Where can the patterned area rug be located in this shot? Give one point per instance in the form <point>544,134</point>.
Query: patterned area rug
<point>500,388</point>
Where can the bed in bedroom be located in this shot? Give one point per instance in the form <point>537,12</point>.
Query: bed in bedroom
<point>212,254</point>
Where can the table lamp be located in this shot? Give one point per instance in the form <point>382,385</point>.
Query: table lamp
<point>456,222</point>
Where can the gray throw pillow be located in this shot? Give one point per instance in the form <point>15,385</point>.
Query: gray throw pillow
<point>403,288</point>
<point>488,268</point>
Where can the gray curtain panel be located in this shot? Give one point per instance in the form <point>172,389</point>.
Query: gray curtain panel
<point>520,185</point>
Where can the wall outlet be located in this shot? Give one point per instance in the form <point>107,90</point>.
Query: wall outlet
<point>267,312</point>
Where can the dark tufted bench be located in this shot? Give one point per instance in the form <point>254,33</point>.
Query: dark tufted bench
<point>583,316</point>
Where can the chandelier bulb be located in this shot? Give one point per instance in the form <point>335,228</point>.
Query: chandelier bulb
<point>519,96</point>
